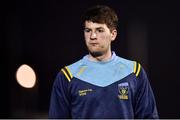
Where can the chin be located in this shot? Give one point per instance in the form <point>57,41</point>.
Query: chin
<point>96,53</point>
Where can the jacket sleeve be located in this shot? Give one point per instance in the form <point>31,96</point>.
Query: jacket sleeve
<point>60,98</point>
<point>145,106</point>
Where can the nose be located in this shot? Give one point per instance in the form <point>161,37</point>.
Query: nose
<point>93,35</point>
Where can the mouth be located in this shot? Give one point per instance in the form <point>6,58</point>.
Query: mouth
<point>93,44</point>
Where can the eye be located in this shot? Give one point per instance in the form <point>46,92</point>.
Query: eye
<point>100,30</point>
<point>87,30</point>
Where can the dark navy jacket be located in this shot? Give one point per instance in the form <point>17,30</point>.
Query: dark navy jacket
<point>118,88</point>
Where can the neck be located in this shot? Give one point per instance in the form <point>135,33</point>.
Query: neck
<point>105,57</point>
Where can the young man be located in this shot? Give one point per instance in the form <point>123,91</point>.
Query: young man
<point>101,84</point>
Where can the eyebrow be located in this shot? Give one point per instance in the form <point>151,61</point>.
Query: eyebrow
<point>95,28</point>
<point>99,28</point>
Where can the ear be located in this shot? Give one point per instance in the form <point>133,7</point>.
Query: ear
<point>113,34</point>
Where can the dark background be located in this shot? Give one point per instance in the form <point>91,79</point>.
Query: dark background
<point>47,35</point>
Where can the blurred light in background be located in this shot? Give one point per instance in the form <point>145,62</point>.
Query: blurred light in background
<point>26,76</point>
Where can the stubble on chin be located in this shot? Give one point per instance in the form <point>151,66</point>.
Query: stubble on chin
<point>96,54</point>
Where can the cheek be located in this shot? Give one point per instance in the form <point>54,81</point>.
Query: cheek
<point>104,38</point>
<point>86,37</point>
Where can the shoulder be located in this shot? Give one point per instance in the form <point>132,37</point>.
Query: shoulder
<point>69,70</point>
<point>131,65</point>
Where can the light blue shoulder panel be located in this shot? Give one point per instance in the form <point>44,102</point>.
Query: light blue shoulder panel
<point>102,74</point>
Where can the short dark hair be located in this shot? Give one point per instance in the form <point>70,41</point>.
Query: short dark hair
<point>102,14</point>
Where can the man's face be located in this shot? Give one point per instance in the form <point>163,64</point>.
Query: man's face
<point>98,38</point>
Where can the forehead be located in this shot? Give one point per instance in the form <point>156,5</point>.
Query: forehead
<point>93,25</point>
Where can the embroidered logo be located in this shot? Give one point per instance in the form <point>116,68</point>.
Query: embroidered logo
<point>84,92</point>
<point>82,69</point>
<point>123,91</point>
